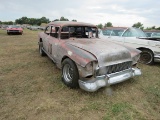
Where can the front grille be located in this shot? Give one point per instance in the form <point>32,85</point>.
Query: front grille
<point>13,30</point>
<point>113,68</point>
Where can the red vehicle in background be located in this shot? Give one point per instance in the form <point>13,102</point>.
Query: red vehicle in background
<point>14,29</point>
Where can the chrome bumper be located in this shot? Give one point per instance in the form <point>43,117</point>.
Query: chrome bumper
<point>95,83</point>
<point>157,58</point>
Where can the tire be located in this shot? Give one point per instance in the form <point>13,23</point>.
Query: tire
<point>146,57</point>
<point>42,53</point>
<point>8,33</point>
<point>70,75</point>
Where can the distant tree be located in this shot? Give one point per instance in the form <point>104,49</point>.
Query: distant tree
<point>8,23</point>
<point>158,28</point>
<point>148,28</point>
<point>56,20</point>
<point>100,26</point>
<point>44,20</point>
<point>108,24</point>
<point>153,27</point>
<point>0,22</point>
<point>24,20</point>
<point>63,19</point>
<point>138,25</point>
<point>74,20</point>
<point>32,21</point>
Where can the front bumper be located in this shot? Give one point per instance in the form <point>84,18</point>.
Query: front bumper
<point>14,31</point>
<point>106,80</point>
<point>157,58</point>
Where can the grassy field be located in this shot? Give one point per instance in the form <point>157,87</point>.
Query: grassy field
<point>31,89</point>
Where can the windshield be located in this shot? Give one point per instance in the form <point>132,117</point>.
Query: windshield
<point>148,34</point>
<point>14,26</point>
<point>79,32</point>
<point>106,32</point>
<point>134,32</point>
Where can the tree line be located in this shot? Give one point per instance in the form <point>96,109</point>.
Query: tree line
<point>39,21</point>
<point>33,21</point>
<point>137,25</point>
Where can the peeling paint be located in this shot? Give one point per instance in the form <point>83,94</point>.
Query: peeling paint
<point>69,53</point>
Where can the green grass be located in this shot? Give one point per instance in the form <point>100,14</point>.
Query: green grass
<point>31,88</point>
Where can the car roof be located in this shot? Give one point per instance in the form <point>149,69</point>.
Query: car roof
<point>115,28</point>
<point>70,23</point>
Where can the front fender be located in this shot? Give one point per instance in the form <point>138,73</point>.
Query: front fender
<point>79,56</point>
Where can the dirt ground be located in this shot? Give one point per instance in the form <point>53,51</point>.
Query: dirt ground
<point>31,88</point>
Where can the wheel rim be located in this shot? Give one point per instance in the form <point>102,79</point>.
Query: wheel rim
<point>67,73</point>
<point>145,57</point>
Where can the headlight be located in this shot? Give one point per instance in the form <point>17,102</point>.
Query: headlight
<point>135,59</point>
<point>89,66</point>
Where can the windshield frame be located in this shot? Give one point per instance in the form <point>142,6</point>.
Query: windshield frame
<point>73,31</point>
<point>136,32</point>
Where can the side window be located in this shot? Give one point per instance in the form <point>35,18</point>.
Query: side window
<point>48,30</point>
<point>113,33</point>
<point>156,35</point>
<point>54,31</point>
<point>116,32</point>
<point>148,34</point>
<point>128,33</point>
<point>106,32</point>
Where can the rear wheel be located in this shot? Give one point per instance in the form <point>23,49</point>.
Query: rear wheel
<point>146,57</point>
<point>70,75</point>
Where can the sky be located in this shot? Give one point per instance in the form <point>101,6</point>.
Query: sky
<point>118,12</point>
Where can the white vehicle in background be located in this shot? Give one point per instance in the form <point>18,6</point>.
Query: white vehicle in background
<point>134,38</point>
<point>153,33</point>
<point>34,27</point>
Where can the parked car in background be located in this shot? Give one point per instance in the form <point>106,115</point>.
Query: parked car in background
<point>152,33</point>
<point>135,38</point>
<point>4,27</point>
<point>28,27</point>
<point>14,29</point>
<point>41,28</point>
<point>34,27</point>
<point>86,61</point>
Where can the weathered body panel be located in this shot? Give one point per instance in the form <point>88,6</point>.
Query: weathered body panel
<point>107,53</point>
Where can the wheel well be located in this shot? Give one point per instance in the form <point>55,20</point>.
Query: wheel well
<point>64,58</point>
<point>142,48</point>
<point>40,40</point>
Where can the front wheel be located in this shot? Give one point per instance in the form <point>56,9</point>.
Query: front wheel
<point>42,53</point>
<point>70,73</point>
<point>146,57</point>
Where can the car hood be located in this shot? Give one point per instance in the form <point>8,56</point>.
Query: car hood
<point>107,53</point>
<point>14,28</point>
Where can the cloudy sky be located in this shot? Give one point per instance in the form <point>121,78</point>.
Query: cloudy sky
<point>119,12</point>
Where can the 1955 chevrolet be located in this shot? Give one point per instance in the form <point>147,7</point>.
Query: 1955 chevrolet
<point>87,61</point>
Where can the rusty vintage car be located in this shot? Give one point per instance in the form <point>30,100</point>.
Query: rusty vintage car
<point>86,61</point>
<point>14,29</point>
